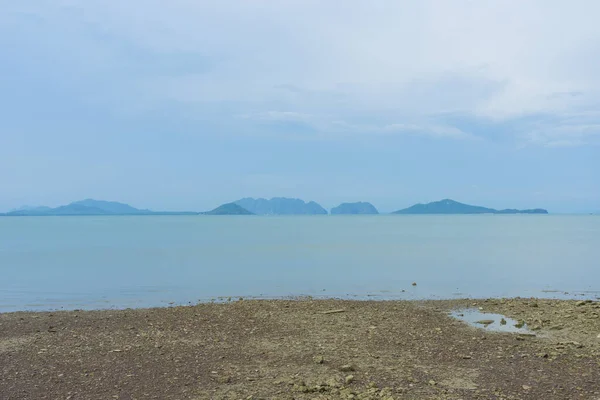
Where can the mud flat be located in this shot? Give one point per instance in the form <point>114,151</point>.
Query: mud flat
<point>305,349</point>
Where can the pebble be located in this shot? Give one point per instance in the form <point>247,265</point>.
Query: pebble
<point>520,324</point>
<point>349,379</point>
<point>347,368</point>
<point>318,359</point>
<point>580,303</point>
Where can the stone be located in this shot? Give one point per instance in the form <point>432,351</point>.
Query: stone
<point>347,368</point>
<point>414,283</point>
<point>502,321</point>
<point>520,324</point>
<point>301,389</point>
<point>349,379</point>
<point>485,321</point>
<point>318,359</point>
<point>580,303</point>
<point>333,382</point>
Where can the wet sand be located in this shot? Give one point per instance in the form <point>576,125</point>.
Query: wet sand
<point>303,349</point>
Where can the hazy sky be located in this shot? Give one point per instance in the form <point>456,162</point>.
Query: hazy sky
<point>185,104</point>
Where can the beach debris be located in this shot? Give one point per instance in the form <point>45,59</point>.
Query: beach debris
<point>347,368</point>
<point>333,311</point>
<point>485,321</point>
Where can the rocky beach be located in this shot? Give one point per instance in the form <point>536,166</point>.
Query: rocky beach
<point>304,349</point>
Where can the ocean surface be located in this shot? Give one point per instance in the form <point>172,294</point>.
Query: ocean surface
<point>51,263</point>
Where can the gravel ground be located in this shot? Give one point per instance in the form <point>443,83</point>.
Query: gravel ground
<point>302,349</point>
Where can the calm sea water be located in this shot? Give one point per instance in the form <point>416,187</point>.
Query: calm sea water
<point>103,262</point>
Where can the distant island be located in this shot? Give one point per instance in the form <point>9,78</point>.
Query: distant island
<point>281,206</point>
<point>90,207</point>
<point>354,209</point>
<point>448,206</point>
<point>250,206</point>
<point>228,209</point>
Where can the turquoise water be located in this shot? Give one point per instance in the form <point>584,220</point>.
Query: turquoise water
<point>104,262</point>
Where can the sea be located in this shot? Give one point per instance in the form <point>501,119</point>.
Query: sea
<point>104,262</point>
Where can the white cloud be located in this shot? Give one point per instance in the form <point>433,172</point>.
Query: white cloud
<point>278,116</point>
<point>429,130</point>
<point>565,135</point>
<point>324,61</point>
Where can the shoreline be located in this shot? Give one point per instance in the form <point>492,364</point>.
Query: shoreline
<point>303,349</point>
<point>404,296</point>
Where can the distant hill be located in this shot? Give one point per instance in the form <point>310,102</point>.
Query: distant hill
<point>31,209</point>
<point>355,208</point>
<point>110,207</point>
<point>280,206</point>
<point>229,209</point>
<point>448,206</point>
<point>90,207</point>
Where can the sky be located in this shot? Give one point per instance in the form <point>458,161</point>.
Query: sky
<point>187,104</point>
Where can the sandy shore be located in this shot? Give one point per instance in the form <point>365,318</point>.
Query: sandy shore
<point>301,350</point>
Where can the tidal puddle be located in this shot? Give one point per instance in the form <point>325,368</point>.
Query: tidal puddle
<point>490,321</point>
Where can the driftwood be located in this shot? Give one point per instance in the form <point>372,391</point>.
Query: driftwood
<point>333,311</point>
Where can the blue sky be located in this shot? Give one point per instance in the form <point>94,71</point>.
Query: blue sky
<point>184,105</point>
